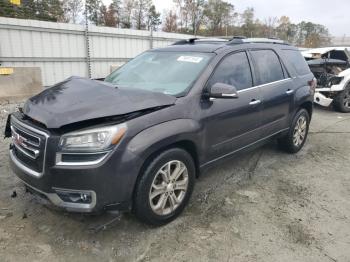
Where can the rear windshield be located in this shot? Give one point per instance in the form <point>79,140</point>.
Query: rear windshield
<point>298,61</point>
<point>171,73</point>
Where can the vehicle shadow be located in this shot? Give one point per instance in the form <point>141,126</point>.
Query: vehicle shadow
<point>237,170</point>
<point>326,109</point>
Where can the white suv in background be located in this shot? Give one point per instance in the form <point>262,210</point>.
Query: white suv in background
<point>331,67</point>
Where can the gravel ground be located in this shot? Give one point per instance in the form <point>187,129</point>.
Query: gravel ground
<point>262,206</point>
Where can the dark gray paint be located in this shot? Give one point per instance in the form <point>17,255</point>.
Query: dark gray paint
<point>212,130</point>
<point>79,99</point>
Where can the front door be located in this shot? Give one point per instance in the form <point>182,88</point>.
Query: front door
<point>231,124</point>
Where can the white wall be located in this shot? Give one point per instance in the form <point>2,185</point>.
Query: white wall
<point>59,49</point>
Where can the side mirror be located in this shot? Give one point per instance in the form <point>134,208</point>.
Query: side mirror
<point>221,90</point>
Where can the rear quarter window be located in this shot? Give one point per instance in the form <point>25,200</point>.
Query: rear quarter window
<point>295,58</point>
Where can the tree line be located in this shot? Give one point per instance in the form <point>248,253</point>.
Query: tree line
<point>196,17</point>
<point>220,18</point>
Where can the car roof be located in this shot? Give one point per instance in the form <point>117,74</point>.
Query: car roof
<point>217,45</point>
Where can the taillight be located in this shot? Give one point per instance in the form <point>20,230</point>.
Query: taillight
<point>313,84</point>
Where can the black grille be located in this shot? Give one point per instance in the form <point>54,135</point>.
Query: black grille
<point>29,146</point>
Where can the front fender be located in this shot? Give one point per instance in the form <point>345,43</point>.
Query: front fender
<point>162,135</point>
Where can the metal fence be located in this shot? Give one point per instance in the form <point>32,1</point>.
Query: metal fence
<point>341,41</point>
<point>62,50</point>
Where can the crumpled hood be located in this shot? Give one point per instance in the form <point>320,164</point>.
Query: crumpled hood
<point>78,99</point>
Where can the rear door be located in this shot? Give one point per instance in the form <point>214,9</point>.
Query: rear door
<point>277,90</point>
<point>231,124</point>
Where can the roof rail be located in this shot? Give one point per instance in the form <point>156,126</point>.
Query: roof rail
<point>238,37</point>
<point>201,41</point>
<point>233,41</point>
<point>257,40</point>
<point>185,41</point>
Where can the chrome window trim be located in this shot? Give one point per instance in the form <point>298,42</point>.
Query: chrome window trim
<point>17,162</point>
<point>267,84</point>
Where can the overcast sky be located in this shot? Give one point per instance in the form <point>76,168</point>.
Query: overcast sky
<point>334,14</point>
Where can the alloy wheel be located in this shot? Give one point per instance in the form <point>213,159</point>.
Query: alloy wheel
<point>169,187</point>
<point>346,99</point>
<point>300,131</point>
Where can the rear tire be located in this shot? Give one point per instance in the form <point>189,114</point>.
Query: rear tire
<point>297,134</point>
<point>165,187</point>
<point>342,100</point>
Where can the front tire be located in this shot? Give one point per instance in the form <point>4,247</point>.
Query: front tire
<point>165,187</point>
<point>342,100</point>
<point>297,134</point>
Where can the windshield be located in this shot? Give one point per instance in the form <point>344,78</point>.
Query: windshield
<point>170,73</point>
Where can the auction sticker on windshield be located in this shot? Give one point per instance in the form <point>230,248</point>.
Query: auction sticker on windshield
<point>190,59</point>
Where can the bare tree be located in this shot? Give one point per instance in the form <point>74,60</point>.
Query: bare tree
<point>247,22</point>
<point>194,10</point>
<point>170,22</point>
<point>102,15</point>
<point>180,13</point>
<point>72,10</point>
<point>140,13</point>
<point>285,29</point>
<point>270,24</point>
<point>128,7</point>
<point>153,18</point>
<point>218,13</point>
<point>93,10</point>
<point>114,14</point>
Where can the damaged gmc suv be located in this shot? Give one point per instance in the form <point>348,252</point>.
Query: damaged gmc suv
<point>138,140</point>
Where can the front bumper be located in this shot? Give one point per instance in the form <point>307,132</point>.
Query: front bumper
<point>104,185</point>
<point>55,199</point>
<point>322,100</point>
<point>25,175</point>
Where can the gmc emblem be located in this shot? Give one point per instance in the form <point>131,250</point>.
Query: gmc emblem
<point>20,142</point>
<point>18,139</point>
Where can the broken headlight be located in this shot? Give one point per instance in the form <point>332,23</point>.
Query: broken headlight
<point>335,80</point>
<point>92,140</point>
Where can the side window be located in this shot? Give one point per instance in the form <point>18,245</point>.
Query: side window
<point>297,60</point>
<point>338,54</point>
<point>233,70</point>
<point>268,66</point>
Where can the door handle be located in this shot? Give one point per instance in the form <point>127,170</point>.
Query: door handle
<point>254,102</point>
<point>289,91</point>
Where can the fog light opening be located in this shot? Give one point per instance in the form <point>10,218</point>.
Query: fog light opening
<point>75,197</point>
<point>84,197</point>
